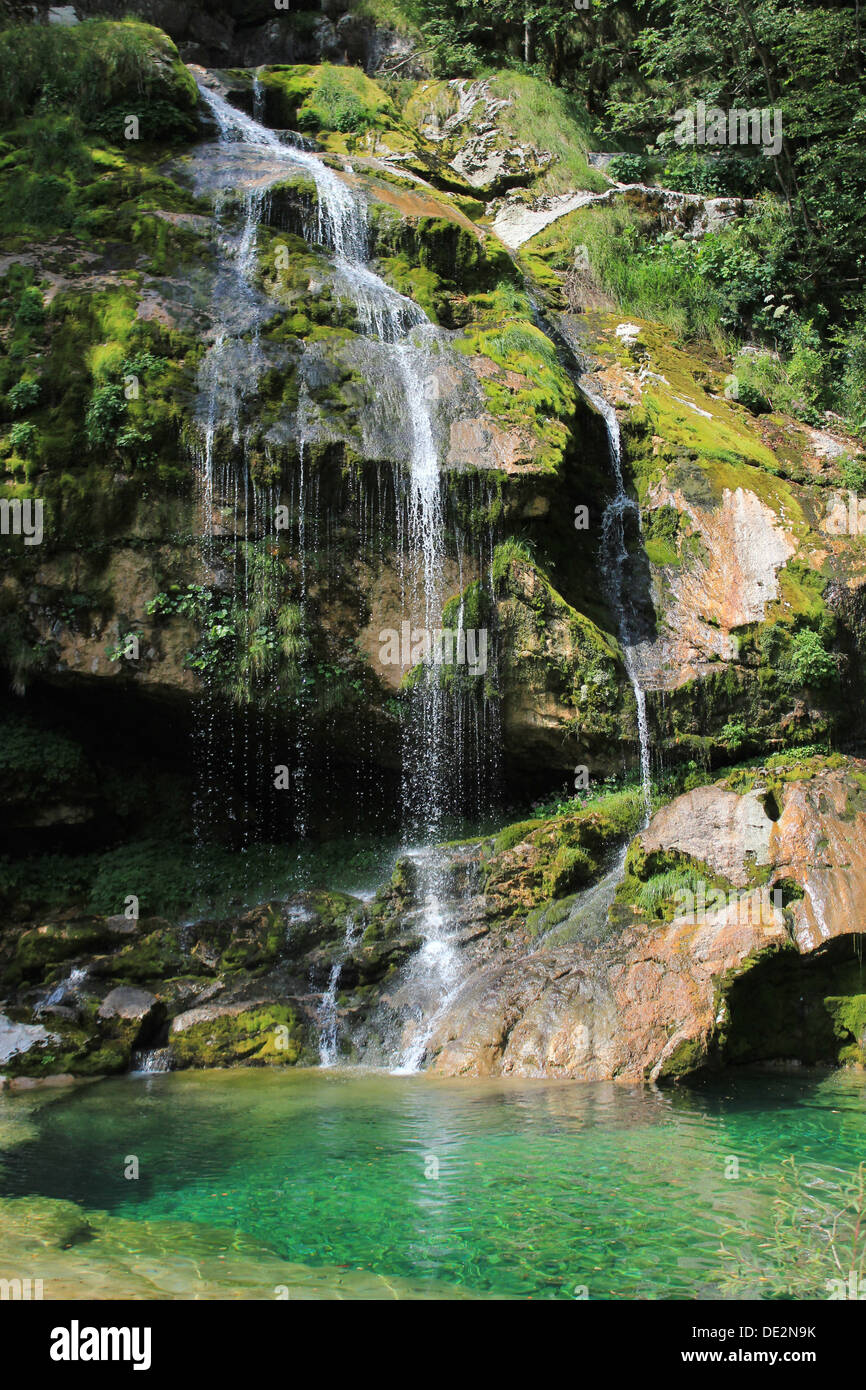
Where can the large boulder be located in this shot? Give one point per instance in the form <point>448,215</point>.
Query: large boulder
<point>734,937</point>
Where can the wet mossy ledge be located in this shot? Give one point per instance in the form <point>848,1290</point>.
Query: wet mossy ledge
<point>245,991</point>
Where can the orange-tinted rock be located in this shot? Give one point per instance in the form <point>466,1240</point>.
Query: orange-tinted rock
<point>652,1000</point>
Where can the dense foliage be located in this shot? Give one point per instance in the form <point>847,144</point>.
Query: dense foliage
<point>792,284</point>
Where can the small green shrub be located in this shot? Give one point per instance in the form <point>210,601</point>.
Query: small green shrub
<point>23,395</point>
<point>809,663</point>
<point>104,414</point>
<point>31,307</point>
<point>629,168</point>
<point>23,437</point>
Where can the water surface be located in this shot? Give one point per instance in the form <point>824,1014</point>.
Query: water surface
<point>497,1187</point>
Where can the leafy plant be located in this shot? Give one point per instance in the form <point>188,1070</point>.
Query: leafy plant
<point>808,662</point>
<point>734,734</point>
<point>23,436</point>
<point>23,394</point>
<point>629,168</point>
<point>106,410</point>
<point>31,307</point>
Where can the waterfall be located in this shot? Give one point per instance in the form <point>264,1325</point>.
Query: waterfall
<point>154,1062</point>
<point>258,96</point>
<point>75,977</point>
<point>327,1012</point>
<point>614,554</point>
<point>402,329</point>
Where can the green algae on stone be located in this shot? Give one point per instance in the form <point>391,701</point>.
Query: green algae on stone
<point>262,1035</point>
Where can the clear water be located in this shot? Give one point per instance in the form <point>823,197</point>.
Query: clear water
<point>542,1187</point>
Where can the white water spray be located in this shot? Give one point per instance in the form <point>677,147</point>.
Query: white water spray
<point>614,554</point>
<point>342,225</point>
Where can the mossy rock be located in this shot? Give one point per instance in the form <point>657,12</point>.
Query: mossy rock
<point>75,1051</point>
<point>848,1014</point>
<point>685,1059</point>
<point>101,70</point>
<point>323,98</point>
<point>653,883</point>
<point>531,863</point>
<point>263,1035</point>
<point>570,869</point>
<point>157,956</point>
<point>40,948</point>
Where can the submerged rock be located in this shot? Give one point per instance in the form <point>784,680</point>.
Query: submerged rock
<point>71,1253</point>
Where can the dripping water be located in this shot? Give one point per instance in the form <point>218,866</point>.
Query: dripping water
<point>341,225</point>
<point>614,553</point>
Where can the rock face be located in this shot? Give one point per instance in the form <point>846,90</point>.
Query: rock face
<point>18,1038</point>
<point>161,403</point>
<point>246,990</point>
<point>769,922</point>
<point>466,119</point>
<point>127,1003</point>
<point>226,33</point>
<point>119,605</point>
<point>453,176</point>
<point>730,932</point>
<point>729,831</point>
<point>744,546</point>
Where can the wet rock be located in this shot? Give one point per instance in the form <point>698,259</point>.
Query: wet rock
<point>128,1004</point>
<point>729,831</point>
<point>40,1083</point>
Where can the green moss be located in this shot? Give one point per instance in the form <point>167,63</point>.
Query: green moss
<point>40,948</point>
<point>73,1051</point>
<point>661,528</point>
<point>471,608</point>
<point>267,1035</point>
<point>685,1058</point>
<point>793,765</point>
<point>100,71</point>
<point>653,884</point>
<point>112,390</point>
<point>340,100</point>
<point>533,390</point>
<point>532,862</point>
<point>848,1014</point>
<point>157,956</point>
<point>571,868</point>
<point>513,835</point>
<point>419,283</point>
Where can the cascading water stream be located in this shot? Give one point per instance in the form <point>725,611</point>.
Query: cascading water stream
<point>155,1062</point>
<point>342,225</point>
<point>614,556</point>
<point>75,977</point>
<point>327,1012</point>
